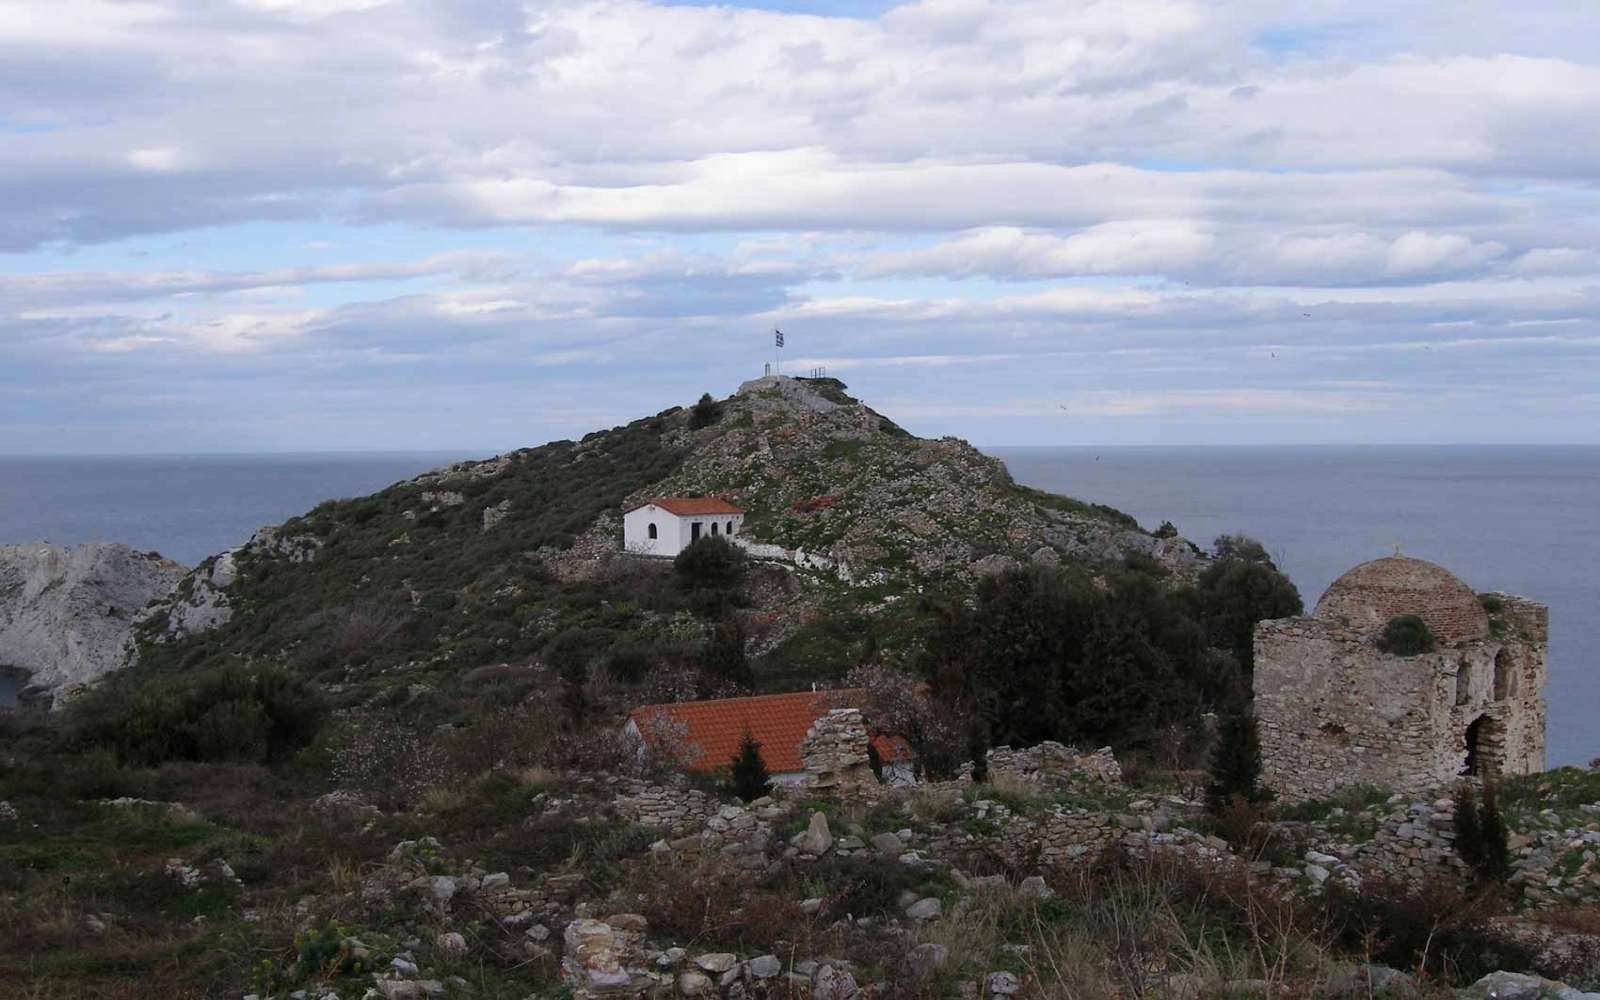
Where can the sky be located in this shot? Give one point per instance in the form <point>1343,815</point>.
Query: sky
<point>475,225</point>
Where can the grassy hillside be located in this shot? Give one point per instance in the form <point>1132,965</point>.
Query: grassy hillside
<point>492,562</point>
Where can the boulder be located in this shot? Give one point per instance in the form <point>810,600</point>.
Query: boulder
<point>1367,982</point>
<point>765,966</point>
<point>925,960</point>
<point>1034,887</point>
<point>925,909</point>
<point>816,839</point>
<point>717,962</point>
<point>1505,986</point>
<point>888,843</point>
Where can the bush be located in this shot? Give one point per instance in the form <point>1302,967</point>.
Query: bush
<point>704,413</point>
<point>252,716</point>
<point>710,564</point>
<point>1406,635</point>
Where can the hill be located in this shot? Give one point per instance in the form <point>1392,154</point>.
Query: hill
<point>486,562</point>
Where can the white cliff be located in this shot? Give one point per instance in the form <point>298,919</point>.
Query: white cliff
<point>66,614</point>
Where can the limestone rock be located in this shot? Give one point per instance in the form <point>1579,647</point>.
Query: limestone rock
<point>816,839</point>
<point>1368,981</point>
<point>1034,887</point>
<point>925,909</point>
<point>717,962</point>
<point>694,984</point>
<point>67,614</point>
<point>451,943</point>
<point>925,960</point>
<point>1505,986</point>
<point>765,966</point>
<point>888,843</point>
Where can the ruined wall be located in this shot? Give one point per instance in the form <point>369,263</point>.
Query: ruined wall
<point>834,753</point>
<point>1335,711</point>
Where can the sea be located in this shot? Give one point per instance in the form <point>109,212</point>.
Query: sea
<point>1523,519</point>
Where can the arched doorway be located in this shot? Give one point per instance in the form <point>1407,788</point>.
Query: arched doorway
<point>1485,746</point>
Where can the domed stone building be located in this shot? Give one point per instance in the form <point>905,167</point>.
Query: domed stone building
<point>1336,710</point>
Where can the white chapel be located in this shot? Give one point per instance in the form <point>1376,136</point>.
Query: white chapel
<point>668,525</point>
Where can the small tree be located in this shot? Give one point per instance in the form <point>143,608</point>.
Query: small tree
<point>750,778</point>
<point>705,413</point>
<point>1406,635</point>
<point>1236,765</point>
<point>875,761</point>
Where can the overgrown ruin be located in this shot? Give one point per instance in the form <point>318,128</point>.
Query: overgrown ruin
<point>1336,711</point>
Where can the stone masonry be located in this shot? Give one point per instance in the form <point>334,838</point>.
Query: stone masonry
<point>1337,711</point>
<point>835,755</point>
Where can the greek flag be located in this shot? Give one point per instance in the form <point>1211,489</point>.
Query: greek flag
<point>777,336</point>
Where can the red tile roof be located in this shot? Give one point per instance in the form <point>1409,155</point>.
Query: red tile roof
<point>689,506</point>
<point>778,722</point>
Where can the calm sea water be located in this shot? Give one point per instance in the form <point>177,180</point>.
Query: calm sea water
<point>1520,519</point>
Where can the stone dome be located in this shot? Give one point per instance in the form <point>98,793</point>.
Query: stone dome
<point>1375,592</point>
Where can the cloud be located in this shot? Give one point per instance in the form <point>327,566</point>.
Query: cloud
<point>1207,214</point>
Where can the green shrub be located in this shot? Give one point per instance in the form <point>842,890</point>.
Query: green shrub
<point>710,564</point>
<point>233,730</point>
<point>254,716</point>
<point>704,413</point>
<point>1406,635</point>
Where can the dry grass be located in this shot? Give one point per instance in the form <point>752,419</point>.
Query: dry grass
<point>538,779</point>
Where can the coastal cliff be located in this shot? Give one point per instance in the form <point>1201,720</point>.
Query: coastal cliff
<point>66,614</point>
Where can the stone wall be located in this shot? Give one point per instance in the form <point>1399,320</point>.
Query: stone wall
<point>835,756</point>
<point>1053,762</point>
<point>1335,711</point>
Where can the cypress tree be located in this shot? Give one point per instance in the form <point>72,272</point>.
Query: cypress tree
<point>1469,835</point>
<point>750,777</point>
<point>1236,764</point>
<point>1495,859</point>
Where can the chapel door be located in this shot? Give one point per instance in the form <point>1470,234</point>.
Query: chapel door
<point>694,532</point>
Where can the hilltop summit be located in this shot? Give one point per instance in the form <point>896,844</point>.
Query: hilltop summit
<point>481,562</point>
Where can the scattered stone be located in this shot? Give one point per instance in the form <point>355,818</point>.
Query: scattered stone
<point>694,984</point>
<point>888,843</point>
<point>925,960</point>
<point>451,943</point>
<point>1034,887</point>
<point>765,966</point>
<point>717,962</point>
<point>925,909</point>
<point>1001,984</point>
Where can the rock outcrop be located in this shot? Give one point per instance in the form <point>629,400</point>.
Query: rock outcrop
<point>66,614</point>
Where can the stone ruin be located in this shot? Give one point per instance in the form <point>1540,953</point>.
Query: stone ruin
<point>1052,762</point>
<point>835,756</point>
<point>1337,711</point>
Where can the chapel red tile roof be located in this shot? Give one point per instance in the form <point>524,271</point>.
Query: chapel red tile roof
<point>777,721</point>
<point>689,506</point>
